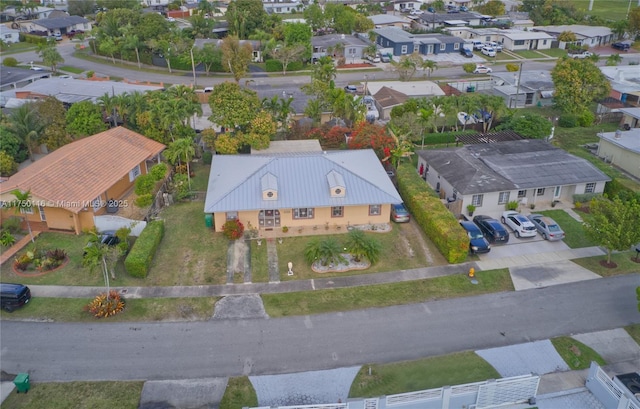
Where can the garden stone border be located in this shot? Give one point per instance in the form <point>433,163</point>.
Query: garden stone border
<point>340,268</point>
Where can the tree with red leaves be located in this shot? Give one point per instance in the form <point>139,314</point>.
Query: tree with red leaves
<point>334,138</point>
<point>371,136</point>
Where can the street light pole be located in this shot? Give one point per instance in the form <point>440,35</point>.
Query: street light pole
<point>193,67</point>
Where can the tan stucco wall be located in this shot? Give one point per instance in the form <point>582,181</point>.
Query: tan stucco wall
<point>622,158</point>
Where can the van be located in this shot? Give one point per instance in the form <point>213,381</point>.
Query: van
<point>13,296</point>
<point>477,44</point>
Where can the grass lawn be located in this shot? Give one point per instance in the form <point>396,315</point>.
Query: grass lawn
<point>16,48</point>
<point>576,354</point>
<point>200,181</point>
<point>634,331</point>
<point>428,373</point>
<point>62,395</point>
<point>73,70</point>
<point>527,54</point>
<point>137,309</point>
<point>575,236</point>
<point>395,254</point>
<point>259,265</point>
<point>239,394</point>
<point>609,10</point>
<point>553,52</point>
<point>623,260</point>
<point>345,299</point>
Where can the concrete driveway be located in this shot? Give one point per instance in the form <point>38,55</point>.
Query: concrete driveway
<point>520,247</point>
<point>546,274</point>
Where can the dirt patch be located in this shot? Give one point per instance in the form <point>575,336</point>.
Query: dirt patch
<point>635,259</point>
<point>417,244</point>
<point>604,264</point>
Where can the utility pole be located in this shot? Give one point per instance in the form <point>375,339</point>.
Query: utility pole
<point>518,86</point>
<point>193,67</point>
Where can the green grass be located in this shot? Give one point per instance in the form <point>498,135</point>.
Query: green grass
<point>63,395</point>
<point>200,181</point>
<point>613,10</point>
<point>428,373</point>
<point>576,354</point>
<point>553,52</point>
<point>623,260</point>
<point>527,54</point>
<point>18,48</point>
<point>634,331</point>
<point>259,265</point>
<point>575,236</point>
<point>239,394</point>
<point>345,299</point>
<point>137,309</point>
<point>73,70</point>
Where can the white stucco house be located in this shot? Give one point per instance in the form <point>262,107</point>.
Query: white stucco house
<point>622,149</point>
<point>9,35</point>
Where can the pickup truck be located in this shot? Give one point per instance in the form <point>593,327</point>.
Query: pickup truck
<point>581,55</point>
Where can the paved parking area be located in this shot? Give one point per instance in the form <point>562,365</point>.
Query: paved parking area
<point>546,274</point>
<point>187,393</point>
<point>614,345</point>
<point>519,247</point>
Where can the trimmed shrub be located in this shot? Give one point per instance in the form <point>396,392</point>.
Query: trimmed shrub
<point>207,157</point>
<point>144,200</point>
<point>586,119</point>
<point>512,67</point>
<point>585,197</point>
<point>10,62</point>
<point>273,66</point>
<point>139,259</point>
<point>145,184</point>
<point>233,229</point>
<point>295,66</point>
<point>158,171</point>
<point>33,39</point>
<point>431,215</point>
<point>567,121</point>
<point>468,67</point>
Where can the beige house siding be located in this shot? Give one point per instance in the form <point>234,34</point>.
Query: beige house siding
<point>622,158</point>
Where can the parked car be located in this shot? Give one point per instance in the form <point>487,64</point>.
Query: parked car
<point>488,51</point>
<point>492,229</point>
<point>399,213</point>
<point>13,296</point>
<point>107,237</point>
<point>621,45</point>
<point>385,58</point>
<point>481,69</point>
<point>547,227</point>
<point>521,226</point>
<point>466,52</point>
<point>477,242</point>
<point>352,89</point>
<point>477,44</point>
<point>463,8</point>
<point>581,55</point>
<point>373,58</point>
<point>431,10</point>
<point>495,46</point>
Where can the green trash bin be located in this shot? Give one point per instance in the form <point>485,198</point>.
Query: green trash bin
<point>208,220</point>
<point>22,382</point>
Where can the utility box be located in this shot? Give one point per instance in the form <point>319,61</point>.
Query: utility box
<point>208,220</point>
<point>22,382</point>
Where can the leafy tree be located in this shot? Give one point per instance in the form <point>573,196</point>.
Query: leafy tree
<point>25,125</point>
<point>109,46</point>
<point>236,57</point>
<point>23,204</point>
<point>232,106</point>
<point>179,150</point>
<point>84,119</point>
<point>288,54</point>
<point>261,130</point>
<point>150,26</point>
<point>327,251</point>
<point>10,62</point>
<point>227,144</point>
<point>8,166</point>
<point>209,55</point>
<point>315,17</point>
<point>362,24</point>
<point>51,57</point>
<point>492,8</point>
<point>200,26</point>
<point>12,145</point>
<point>80,7</point>
<point>468,67</point>
<point>52,113</point>
<point>529,125</point>
<point>245,17</point>
<point>370,136</point>
<point>119,4</point>
<point>131,41</point>
<point>343,18</point>
<point>578,83</point>
<point>613,60</point>
<point>620,28</point>
<point>298,34</point>
<point>613,224</point>
<point>634,21</point>
<point>567,37</point>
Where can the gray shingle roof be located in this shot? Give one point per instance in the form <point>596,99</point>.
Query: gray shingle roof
<point>235,181</point>
<point>60,22</point>
<point>510,165</point>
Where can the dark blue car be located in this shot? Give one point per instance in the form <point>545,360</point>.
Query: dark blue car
<point>492,229</point>
<point>477,242</point>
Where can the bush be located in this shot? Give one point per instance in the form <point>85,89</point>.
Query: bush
<point>145,184</point>
<point>139,259</point>
<point>103,306</point>
<point>567,121</point>
<point>33,39</point>
<point>181,186</point>
<point>584,197</point>
<point>512,205</point>
<point>233,229</point>
<point>12,224</point>
<point>144,200</point>
<point>586,119</point>
<point>273,66</point>
<point>10,62</point>
<point>7,239</point>
<point>90,74</point>
<point>432,216</point>
<point>295,66</point>
<point>207,157</point>
<point>158,172</point>
<point>468,67</point>
<point>512,67</point>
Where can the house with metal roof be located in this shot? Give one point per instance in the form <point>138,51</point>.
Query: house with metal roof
<point>403,42</point>
<point>490,175</point>
<point>353,46</point>
<point>84,179</point>
<point>621,149</point>
<point>300,190</point>
<point>630,118</point>
<point>511,39</point>
<point>536,88</point>
<point>590,36</point>
<point>431,21</point>
<point>389,20</point>
<point>59,25</point>
<point>625,83</point>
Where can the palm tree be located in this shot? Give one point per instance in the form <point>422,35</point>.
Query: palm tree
<point>108,104</point>
<point>361,246</point>
<point>326,251</point>
<point>314,110</point>
<point>132,42</point>
<point>429,66</point>
<point>26,126</point>
<point>613,60</point>
<point>370,50</point>
<point>23,204</point>
<point>427,120</point>
<point>180,149</point>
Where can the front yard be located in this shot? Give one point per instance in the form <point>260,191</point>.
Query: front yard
<point>575,236</point>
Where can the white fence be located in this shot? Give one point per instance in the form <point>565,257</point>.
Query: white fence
<point>608,392</point>
<point>108,222</point>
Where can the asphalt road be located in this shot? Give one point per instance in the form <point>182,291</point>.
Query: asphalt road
<point>154,351</point>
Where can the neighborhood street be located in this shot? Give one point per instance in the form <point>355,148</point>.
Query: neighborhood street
<point>124,351</point>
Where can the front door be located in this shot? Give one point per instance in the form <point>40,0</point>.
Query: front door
<point>269,218</point>
<point>557,192</point>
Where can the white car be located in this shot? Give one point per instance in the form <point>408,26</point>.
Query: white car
<point>489,51</point>
<point>495,46</point>
<point>481,69</point>
<point>521,226</point>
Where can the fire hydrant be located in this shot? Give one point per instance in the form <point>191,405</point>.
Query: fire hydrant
<point>472,272</point>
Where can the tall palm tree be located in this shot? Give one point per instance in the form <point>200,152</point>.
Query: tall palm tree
<point>180,149</point>
<point>26,126</point>
<point>108,104</point>
<point>23,204</point>
<point>430,66</point>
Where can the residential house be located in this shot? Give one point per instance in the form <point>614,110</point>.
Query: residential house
<point>431,21</point>
<point>300,190</point>
<point>53,26</point>
<point>406,6</point>
<point>489,175</point>
<point>533,89</point>
<point>80,181</point>
<point>256,45</point>
<point>353,46</point>
<point>279,7</point>
<point>389,20</point>
<point>13,14</point>
<point>9,35</point>
<point>402,42</point>
<point>511,39</point>
<point>590,36</point>
<point>630,118</point>
<point>386,98</point>
<point>622,149</point>
<point>411,89</point>
<point>155,3</point>
<point>625,83</point>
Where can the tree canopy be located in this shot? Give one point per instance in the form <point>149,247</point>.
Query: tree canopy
<point>529,125</point>
<point>233,106</point>
<point>578,82</point>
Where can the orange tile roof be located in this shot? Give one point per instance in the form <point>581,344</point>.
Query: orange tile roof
<point>84,169</point>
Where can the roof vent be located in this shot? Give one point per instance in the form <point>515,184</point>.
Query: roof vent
<point>618,134</point>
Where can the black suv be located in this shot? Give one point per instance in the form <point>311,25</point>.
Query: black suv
<point>492,229</point>
<point>13,296</point>
<point>622,46</point>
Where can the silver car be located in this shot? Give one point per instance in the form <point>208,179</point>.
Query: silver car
<point>548,228</point>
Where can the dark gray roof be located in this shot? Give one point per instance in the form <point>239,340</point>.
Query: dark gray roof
<point>333,39</point>
<point>235,181</point>
<point>10,75</point>
<point>60,22</point>
<point>512,165</point>
<point>300,99</point>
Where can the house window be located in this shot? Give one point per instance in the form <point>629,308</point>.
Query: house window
<point>540,192</point>
<point>232,215</point>
<point>590,188</point>
<point>26,210</point>
<point>487,39</point>
<point>503,198</point>
<point>443,47</point>
<point>522,193</point>
<point>544,42</point>
<point>135,172</point>
<point>375,210</point>
<point>456,46</point>
<point>337,211</point>
<point>403,50</point>
<point>351,51</point>
<point>416,48</point>
<point>476,200</point>
<point>43,217</point>
<point>303,213</point>
<point>518,42</point>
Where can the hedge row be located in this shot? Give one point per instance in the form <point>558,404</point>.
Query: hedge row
<point>139,259</point>
<point>433,217</point>
<point>33,39</point>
